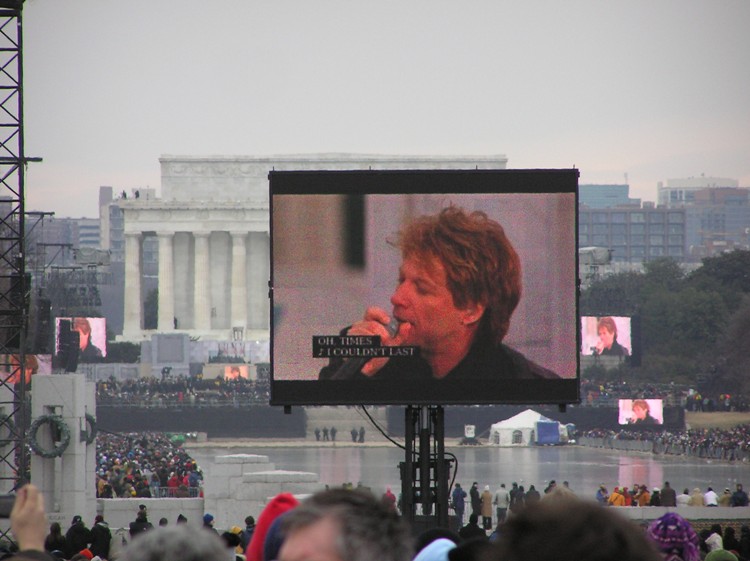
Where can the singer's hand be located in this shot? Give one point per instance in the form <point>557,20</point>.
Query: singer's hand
<point>374,323</point>
<point>599,346</point>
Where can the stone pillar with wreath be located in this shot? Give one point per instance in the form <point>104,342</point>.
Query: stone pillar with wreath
<point>62,437</point>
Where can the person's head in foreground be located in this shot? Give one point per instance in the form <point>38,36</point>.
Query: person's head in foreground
<point>571,530</point>
<point>344,525</point>
<point>175,543</point>
<point>470,275</point>
<point>675,537</point>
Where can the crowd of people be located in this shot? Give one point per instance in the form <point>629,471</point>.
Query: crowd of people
<point>181,391</point>
<point>354,525</point>
<point>717,443</point>
<point>641,495</point>
<point>144,465</point>
<point>606,393</point>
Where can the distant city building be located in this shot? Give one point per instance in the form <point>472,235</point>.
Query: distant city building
<point>634,235</point>
<point>718,220</point>
<point>604,196</point>
<point>681,191</point>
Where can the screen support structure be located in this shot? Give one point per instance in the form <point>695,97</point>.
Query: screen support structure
<point>424,472</point>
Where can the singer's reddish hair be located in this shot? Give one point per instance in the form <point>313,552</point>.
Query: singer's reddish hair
<point>480,263</point>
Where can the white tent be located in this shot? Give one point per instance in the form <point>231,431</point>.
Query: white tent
<point>524,430</point>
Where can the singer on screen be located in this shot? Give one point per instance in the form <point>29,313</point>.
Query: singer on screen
<point>458,285</point>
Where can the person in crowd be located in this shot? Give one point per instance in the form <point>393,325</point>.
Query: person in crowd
<point>725,499</point>
<point>101,537</point>
<point>208,523</point>
<point>710,497</point>
<point>715,539</point>
<point>247,533</point>
<point>459,284</point>
<point>675,538</point>
<point>720,555</point>
<point>696,498</point>
<point>501,502</point>
<point>643,497</point>
<point>533,496</point>
<point>140,524</point>
<point>436,550</point>
<point>517,498</point>
<point>617,498</point>
<point>175,543</point>
<point>655,497</point>
<point>163,522</point>
<point>344,524</point>
<point>55,541</point>
<point>277,506</point>
<point>476,499</point>
<point>486,499</point>
<point>729,540</point>
<point>683,499</point>
<point>602,495</point>
<point>232,543</point>
<point>571,530</point>
<point>458,496</point>
<point>551,485</point>
<point>668,495</point>
<point>739,497</point>
<point>607,344</point>
<point>78,536</point>
<point>744,542</point>
<point>472,529</point>
<point>389,499</point>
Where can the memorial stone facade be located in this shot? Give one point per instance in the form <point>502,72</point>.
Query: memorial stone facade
<point>212,226</point>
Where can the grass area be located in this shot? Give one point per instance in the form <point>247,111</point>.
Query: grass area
<point>718,420</point>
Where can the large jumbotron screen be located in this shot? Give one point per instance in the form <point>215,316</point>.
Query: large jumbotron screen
<point>353,278</point>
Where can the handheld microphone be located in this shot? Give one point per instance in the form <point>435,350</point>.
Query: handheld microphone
<point>352,366</point>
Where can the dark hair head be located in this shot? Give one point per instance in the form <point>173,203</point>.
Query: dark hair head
<point>481,265</point>
<point>583,531</point>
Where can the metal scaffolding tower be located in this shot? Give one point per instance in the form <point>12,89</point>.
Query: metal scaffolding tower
<point>14,282</point>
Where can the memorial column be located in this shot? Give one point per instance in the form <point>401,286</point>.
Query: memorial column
<point>132,298</point>
<point>239,280</point>
<point>202,288</point>
<point>166,282</point>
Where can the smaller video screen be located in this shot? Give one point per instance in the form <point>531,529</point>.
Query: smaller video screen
<point>640,412</point>
<point>33,365</point>
<point>235,372</point>
<point>90,333</point>
<point>606,336</point>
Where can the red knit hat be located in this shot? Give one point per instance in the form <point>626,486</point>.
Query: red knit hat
<point>87,554</point>
<point>277,506</point>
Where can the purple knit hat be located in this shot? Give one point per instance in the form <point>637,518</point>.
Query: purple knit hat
<point>673,534</point>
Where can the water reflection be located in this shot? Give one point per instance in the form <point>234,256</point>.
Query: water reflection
<point>584,468</point>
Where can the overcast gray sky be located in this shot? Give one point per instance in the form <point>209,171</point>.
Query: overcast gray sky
<point>651,89</point>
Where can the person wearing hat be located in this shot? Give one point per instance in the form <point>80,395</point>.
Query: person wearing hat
<point>675,538</point>
<point>721,555</point>
<point>476,500</point>
<point>208,523</point>
<point>77,537</point>
<point>725,499</point>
